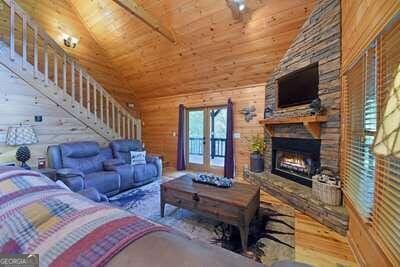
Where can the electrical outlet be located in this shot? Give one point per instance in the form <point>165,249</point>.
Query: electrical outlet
<point>173,134</point>
<point>38,118</point>
<point>236,135</point>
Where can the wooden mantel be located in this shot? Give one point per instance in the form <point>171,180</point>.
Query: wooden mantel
<point>311,123</point>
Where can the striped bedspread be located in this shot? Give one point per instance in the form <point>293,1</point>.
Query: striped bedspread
<point>65,229</point>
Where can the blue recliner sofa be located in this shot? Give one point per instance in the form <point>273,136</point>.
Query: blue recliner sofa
<point>138,174</point>
<point>82,165</point>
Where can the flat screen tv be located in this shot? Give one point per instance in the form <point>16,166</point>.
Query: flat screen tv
<point>299,87</point>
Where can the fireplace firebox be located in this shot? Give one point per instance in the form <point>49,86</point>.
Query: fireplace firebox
<point>296,159</point>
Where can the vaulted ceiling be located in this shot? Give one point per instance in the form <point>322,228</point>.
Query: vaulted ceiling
<point>212,49</point>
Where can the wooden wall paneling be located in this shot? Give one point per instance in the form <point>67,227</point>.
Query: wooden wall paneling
<point>138,11</point>
<point>213,51</point>
<point>58,18</point>
<point>160,120</point>
<point>21,104</point>
<point>361,23</point>
<point>363,243</point>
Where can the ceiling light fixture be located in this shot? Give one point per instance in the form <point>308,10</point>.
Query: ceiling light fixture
<point>241,5</point>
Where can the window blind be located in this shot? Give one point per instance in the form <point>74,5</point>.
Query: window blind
<point>386,213</point>
<point>372,182</point>
<point>360,110</point>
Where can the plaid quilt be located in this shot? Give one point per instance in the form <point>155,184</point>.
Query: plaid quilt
<point>65,229</point>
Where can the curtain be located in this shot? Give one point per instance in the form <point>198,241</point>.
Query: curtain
<point>229,166</point>
<point>180,162</point>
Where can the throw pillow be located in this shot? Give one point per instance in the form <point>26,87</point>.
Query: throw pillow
<point>138,157</point>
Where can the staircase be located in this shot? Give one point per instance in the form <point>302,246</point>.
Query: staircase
<point>54,73</point>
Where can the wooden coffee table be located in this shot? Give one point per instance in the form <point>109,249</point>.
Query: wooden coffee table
<point>235,206</point>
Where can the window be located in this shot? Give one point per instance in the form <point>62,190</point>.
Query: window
<point>361,111</point>
<point>372,182</point>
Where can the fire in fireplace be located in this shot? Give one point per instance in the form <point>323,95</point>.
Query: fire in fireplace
<point>296,159</point>
<point>295,162</point>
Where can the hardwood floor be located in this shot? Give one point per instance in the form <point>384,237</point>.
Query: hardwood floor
<point>315,244</point>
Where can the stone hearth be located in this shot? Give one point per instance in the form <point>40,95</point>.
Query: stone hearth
<point>301,198</point>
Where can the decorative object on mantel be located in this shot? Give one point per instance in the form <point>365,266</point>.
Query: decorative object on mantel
<point>326,187</point>
<point>268,112</point>
<point>387,141</point>
<point>22,136</point>
<point>257,149</point>
<point>249,113</point>
<point>316,107</point>
<point>211,179</point>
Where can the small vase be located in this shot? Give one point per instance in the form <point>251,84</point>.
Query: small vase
<point>256,162</point>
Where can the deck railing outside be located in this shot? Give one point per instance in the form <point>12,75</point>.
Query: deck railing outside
<point>196,146</point>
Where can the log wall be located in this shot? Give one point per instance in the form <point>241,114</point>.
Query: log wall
<point>160,120</point>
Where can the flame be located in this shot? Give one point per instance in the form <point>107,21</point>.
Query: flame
<point>293,161</point>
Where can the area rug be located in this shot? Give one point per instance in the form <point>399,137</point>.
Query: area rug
<point>271,235</point>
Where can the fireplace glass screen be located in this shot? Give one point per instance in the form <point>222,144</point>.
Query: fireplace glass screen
<point>295,163</point>
<point>296,159</point>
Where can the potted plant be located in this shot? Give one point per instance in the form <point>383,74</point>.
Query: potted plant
<point>257,149</point>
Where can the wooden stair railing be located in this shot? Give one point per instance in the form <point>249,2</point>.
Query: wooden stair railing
<point>59,77</point>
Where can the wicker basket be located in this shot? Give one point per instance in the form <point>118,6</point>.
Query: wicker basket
<point>328,194</point>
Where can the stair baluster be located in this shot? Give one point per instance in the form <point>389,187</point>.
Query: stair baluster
<point>99,106</point>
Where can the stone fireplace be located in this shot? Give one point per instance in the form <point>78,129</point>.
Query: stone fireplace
<point>296,159</point>
<point>298,143</point>
<point>318,44</point>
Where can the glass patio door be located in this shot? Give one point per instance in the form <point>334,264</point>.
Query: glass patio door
<point>196,138</point>
<point>206,136</point>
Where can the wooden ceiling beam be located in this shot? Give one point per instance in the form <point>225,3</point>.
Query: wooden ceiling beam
<point>135,9</point>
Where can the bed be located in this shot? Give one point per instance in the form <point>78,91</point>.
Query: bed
<point>37,216</point>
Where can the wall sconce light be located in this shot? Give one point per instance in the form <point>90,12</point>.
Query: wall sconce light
<point>70,41</point>
<point>130,105</point>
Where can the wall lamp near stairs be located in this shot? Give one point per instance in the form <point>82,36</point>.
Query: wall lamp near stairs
<point>70,41</point>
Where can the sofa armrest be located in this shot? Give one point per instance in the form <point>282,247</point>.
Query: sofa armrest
<point>157,162</point>
<point>108,165</point>
<point>93,194</point>
<point>72,178</point>
<point>75,183</point>
<point>68,172</point>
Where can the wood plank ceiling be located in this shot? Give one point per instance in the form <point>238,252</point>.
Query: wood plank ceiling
<point>212,49</point>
